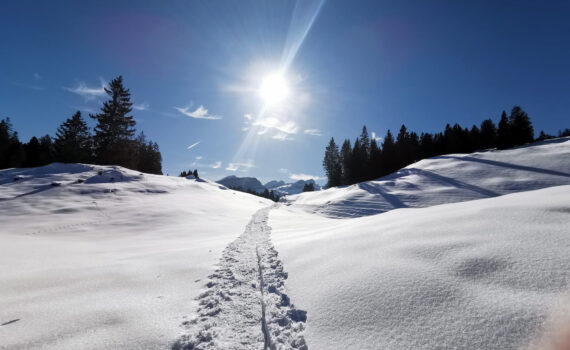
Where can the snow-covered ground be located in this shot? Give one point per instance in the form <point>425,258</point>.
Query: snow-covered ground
<point>113,262</point>
<point>446,179</point>
<point>483,274</point>
<point>458,251</point>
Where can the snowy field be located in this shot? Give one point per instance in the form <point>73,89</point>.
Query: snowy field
<point>113,262</point>
<point>458,251</point>
<point>483,274</point>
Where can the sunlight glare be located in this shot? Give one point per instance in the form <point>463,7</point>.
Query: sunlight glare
<point>274,89</point>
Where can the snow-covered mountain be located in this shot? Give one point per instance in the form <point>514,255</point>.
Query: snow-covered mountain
<point>295,187</point>
<point>245,183</point>
<point>253,184</point>
<point>273,184</point>
<point>457,251</point>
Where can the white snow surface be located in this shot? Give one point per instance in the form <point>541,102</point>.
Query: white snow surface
<point>483,274</point>
<point>446,179</point>
<point>115,260</point>
<point>458,251</point>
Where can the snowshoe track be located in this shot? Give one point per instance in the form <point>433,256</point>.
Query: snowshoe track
<point>245,305</point>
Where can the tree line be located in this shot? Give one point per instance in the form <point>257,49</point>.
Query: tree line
<point>112,143</point>
<point>265,194</point>
<point>366,159</point>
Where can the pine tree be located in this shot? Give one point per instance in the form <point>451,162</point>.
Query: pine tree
<point>73,142</point>
<point>389,161</point>
<point>375,160</point>
<point>115,128</point>
<point>504,137</point>
<point>488,134</point>
<point>331,164</point>
<point>346,163</point>
<point>308,187</point>
<point>12,152</point>
<point>521,127</point>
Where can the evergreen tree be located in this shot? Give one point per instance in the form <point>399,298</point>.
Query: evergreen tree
<point>73,142</point>
<point>504,138</point>
<point>332,165</point>
<point>474,138</point>
<point>115,128</point>
<point>521,127</point>
<point>375,160</point>
<point>488,134</point>
<point>346,163</point>
<point>148,157</point>
<point>389,161</point>
<point>195,173</point>
<point>12,153</point>
<point>308,187</point>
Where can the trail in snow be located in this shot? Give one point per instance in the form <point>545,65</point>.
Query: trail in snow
<point>245,306</point>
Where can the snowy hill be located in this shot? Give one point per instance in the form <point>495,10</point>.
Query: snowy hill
<point>458,251</point>
<point>485,274</point>
<point>447,179</point>
<point>295,187</point>
<point>245,183</point>
<point>102,257</point>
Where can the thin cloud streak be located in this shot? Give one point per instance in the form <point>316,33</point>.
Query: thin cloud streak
<point>239,166</point>
<point>313,132</point>
<point>141,106</point>
<point>199,113</point>
<point>193,145</point>
<point>88,93</point>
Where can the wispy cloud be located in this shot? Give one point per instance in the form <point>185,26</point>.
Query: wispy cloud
<point>141,106</point>
<point>284,171</point>
<point>199,113</point>
<point>37,76</point>
<point>216,165</point>
<point>88,93</point>
<point>313,132</point>
<point>297,177</point>
<point>239,166</point>
<point>193,145</point>
<point>247,116</point>
<point>199,157</point>
<point>288,127</point>
<point>281,136</point>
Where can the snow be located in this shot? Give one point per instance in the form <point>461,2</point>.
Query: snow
<point>245,183</point>
<point>483,274</point>
<point>113,262</point>
<point>446,179</point>
<point>294,188</point>
<point>458,251</point>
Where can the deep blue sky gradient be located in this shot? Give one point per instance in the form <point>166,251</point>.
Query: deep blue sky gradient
<point>379,63</point>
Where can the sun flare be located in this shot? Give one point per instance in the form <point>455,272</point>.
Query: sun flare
<point>274,89</point>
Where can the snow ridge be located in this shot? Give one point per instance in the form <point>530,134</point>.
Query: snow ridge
<point>245,306</point>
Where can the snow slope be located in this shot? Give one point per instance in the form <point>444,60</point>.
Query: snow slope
<point>484,274</point>
<point>108,258</point>
<point>447,179</point>
<point>295,187</point>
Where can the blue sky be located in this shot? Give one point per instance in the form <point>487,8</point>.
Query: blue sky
<point>194,69</point>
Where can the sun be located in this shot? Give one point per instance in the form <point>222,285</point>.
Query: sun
<point>274,89</point>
